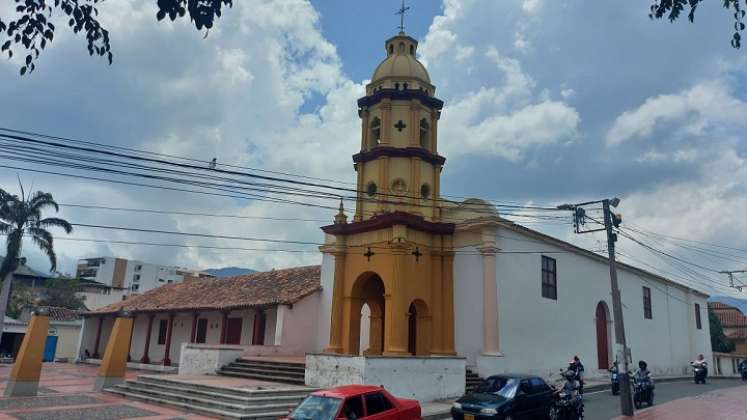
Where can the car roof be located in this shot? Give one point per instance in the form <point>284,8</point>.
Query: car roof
<point>346,391</point>
<point>513,376</point>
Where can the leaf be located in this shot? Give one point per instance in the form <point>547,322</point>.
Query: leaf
<point>23,70</point>
<point>5,46</point>
<point>28,59</point>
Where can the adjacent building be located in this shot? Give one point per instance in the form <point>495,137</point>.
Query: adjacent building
<point>132,276</point>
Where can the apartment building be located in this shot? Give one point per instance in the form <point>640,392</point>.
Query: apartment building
<point>134,277</point>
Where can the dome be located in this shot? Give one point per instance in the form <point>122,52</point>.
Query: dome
<point>401,62</point>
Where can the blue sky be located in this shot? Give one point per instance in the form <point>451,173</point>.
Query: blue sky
<point>546,102</point>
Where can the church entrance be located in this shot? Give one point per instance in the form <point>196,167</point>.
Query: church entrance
<point>602,336</point>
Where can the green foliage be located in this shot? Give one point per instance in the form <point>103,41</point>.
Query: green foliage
<point>61,292</point>
<point>719,341</point>
<point>20,297</point>
<point>672,10</point>
<point>32,29</point>
<point>22,216</point>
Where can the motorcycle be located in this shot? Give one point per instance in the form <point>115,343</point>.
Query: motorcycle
<point>569,404</point>
<point>744,371</point>
<point>700,372</point>
<point>615,380</point>
<point>643,391</point>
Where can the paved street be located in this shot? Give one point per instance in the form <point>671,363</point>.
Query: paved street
<point>603,406</point>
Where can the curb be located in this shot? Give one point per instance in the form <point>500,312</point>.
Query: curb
<point>606,386</point>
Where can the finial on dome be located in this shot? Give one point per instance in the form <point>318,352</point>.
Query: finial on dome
<point>401,12</point>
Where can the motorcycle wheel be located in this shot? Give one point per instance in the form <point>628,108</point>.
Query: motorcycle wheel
<point>552,413</point>
<point>651,398</point>
<point>637,401</point>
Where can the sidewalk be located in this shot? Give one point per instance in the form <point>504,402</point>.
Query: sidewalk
<point>724,404</point>
<point>66,392</point>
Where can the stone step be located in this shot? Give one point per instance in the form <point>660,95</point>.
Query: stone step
<point>209,403</point>
<point>271,363</point>
<point>223,414</point>
<point>241,392</point>
<point>264,371</point>
<point>287,369</point>
<point>219,396</point>
<point>225,371</point>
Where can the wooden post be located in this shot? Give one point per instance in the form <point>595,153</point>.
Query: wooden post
<point>223,326</point>
<point>169,331</point>
<point>145,358</point>
<point>98,338</point>
<point>193,335</point>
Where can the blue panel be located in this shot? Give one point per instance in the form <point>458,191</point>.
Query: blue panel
<point>50,348</point>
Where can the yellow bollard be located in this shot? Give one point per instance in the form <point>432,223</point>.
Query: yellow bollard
<point>114,365</point>
<point>24,378</point>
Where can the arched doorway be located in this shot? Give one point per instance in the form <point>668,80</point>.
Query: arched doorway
<point>603,336</point>
<point>418,329</point>
<point>367,315</point>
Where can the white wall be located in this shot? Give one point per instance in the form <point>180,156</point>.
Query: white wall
<point>96,299</point>
<point>539,335</point>
<point>300,324</point>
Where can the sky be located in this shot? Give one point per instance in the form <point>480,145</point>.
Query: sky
<point>547,102</point>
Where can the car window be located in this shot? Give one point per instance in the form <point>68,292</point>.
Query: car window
<point>376,403</point>
<point>505,387</point>
<point>353,408</point>
<point>316,408</point>
<point>538,385</point>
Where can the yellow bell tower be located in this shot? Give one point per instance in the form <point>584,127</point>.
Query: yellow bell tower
<point>396,255</point>
<point>399,166</point>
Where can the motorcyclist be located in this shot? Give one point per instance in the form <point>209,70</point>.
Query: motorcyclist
<point>643,373</point>
<point>743,367</point>
<point>577,367</point>
<point>615,368</point>
<point>701,363</point>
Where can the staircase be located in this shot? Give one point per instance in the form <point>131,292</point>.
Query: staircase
<point>208,400</point>
<point>473,380</point>
<point>265,370</point>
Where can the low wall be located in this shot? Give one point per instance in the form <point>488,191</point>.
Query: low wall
<point>422,378</point>
<point>135,366</point>
<point>206,359</point>
<point>726,364</point>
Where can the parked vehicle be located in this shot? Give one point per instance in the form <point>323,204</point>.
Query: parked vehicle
<point>700,372</point>
<point>569,402</point>
<point>643,390</point>
<point>354,402</point>
<point>743,369</point>
<point>615,379</point>
<point>515,397</point>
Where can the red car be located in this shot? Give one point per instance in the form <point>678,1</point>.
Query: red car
<point>354,402</point>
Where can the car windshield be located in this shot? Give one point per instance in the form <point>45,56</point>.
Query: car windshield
<point>505,387</point>
<point>316,408</point>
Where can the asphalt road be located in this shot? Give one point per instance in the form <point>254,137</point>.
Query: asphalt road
<point>603,406</point>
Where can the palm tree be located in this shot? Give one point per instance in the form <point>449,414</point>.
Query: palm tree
<point>19,218</point>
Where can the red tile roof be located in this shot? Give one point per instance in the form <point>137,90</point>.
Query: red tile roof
<point>729,316</point>
<point>285,286</point>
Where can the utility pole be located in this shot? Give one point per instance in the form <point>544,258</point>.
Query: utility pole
<point>731,274</point>
<point>610,220</point>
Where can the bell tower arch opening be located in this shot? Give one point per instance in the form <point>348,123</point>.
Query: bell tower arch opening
<point>418,329</point>
<point>367,295</point>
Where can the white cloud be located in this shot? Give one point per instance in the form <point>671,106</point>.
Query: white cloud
<point>708,103</point>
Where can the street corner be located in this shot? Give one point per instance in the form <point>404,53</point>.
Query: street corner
<point>723,404</point>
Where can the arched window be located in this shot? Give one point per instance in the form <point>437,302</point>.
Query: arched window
<point>391,49</point>
<point>375,132</point>
<point>424,133</point>
<point>412,50</point>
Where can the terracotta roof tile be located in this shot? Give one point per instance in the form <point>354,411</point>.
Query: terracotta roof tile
<point>285,286</point>
<point>729,316</point>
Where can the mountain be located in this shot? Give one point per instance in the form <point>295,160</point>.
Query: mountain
<point>229,271</point>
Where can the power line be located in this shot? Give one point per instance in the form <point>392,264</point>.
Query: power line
<point>208,163</point>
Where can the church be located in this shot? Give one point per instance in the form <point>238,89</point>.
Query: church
<point>414,289</point>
